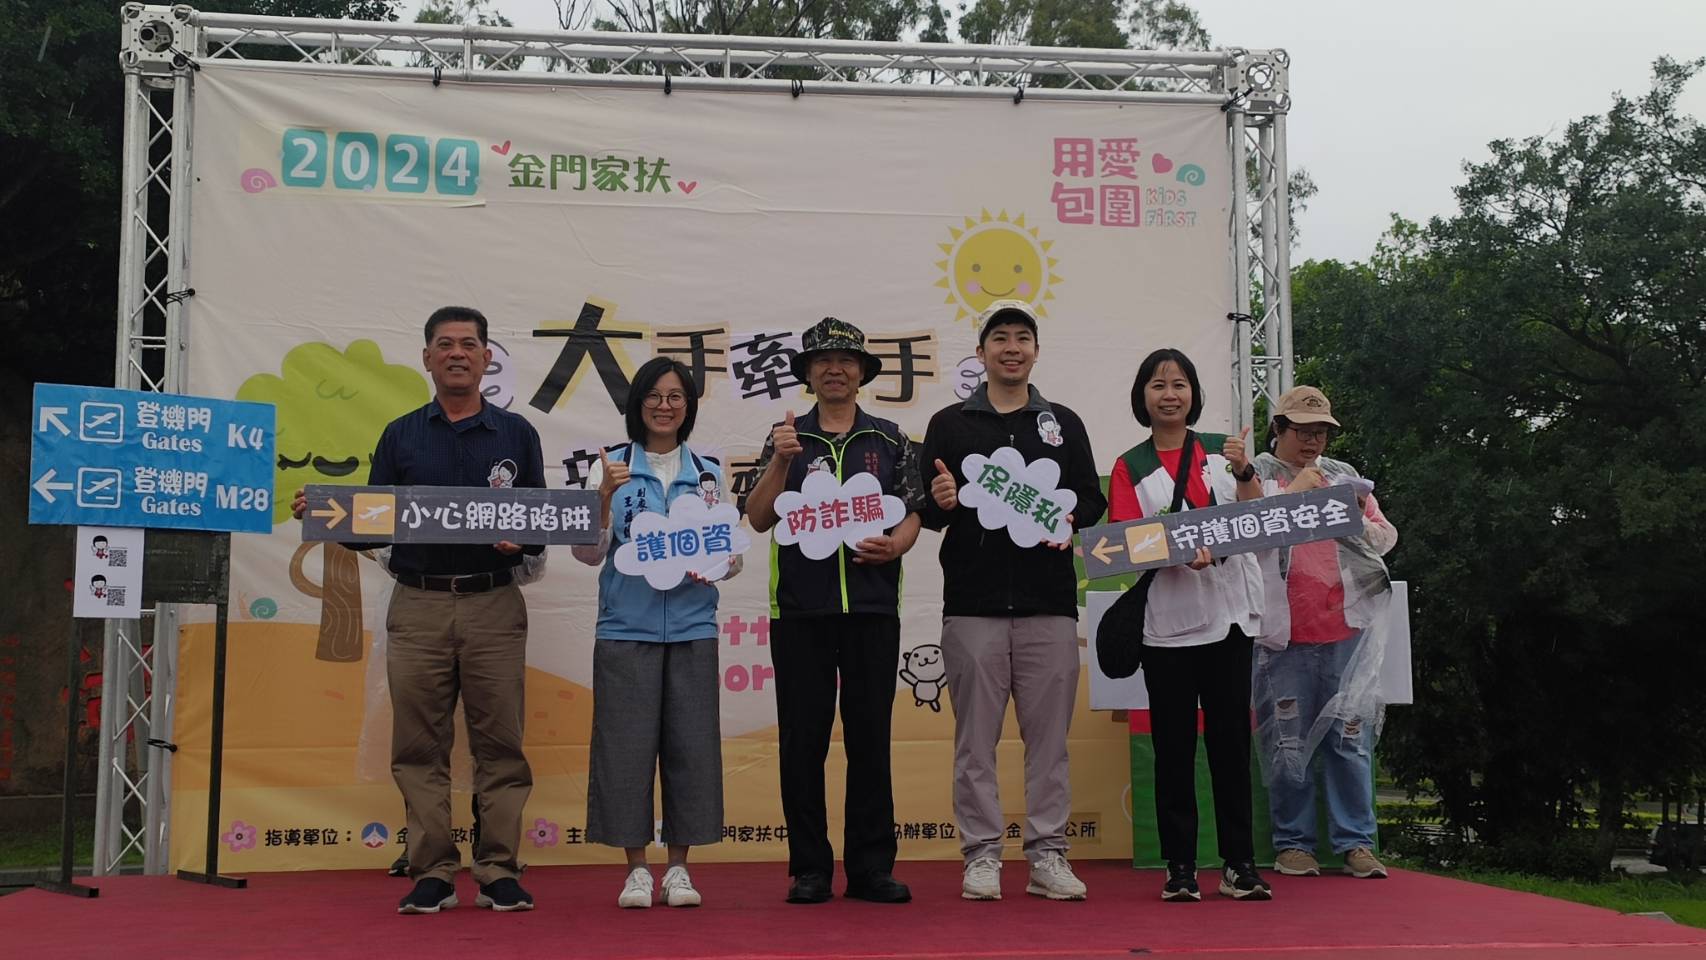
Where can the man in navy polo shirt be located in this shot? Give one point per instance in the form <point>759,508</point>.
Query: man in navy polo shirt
<point>457,625</point>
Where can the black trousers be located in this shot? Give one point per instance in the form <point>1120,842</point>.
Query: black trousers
<point>1218,675</point>
<point>808,654</point>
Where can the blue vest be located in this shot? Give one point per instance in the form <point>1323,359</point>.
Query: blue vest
<point>628,607</point>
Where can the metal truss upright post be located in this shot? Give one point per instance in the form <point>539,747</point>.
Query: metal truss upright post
<point>1263,355</point>
<point>139,676</point>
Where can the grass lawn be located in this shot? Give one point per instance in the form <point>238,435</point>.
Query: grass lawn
<point>1684,902</point>
<point>23,848</point>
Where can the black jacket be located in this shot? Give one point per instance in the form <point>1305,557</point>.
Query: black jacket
<point>801,587</point>
<point>984,574</point>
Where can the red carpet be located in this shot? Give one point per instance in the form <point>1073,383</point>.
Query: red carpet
<point>350,914</point>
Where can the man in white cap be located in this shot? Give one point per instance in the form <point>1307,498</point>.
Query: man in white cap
<point>1010,613</point>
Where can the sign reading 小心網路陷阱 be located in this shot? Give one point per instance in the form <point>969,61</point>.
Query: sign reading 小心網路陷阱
<point>421,514</point>
<point>1246,526</point>
<point>133,458</point>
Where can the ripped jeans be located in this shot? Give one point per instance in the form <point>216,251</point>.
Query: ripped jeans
<point>1291,686</point>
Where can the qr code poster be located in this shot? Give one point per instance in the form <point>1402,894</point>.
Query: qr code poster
<point>108,584</point>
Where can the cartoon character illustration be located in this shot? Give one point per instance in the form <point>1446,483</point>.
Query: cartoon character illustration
<point>98,586</point>
<point>995,258</point>
<point>708,488</point>
<point>98,546</point>
<point>926,675</point>
<point>503,474</point>
<point>1048,428</point>
<point>332,406</point>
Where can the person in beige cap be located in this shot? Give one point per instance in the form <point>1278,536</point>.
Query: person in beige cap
<point>1318,706</point>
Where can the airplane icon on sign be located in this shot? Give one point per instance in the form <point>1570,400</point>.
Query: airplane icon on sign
<point>100,422</point>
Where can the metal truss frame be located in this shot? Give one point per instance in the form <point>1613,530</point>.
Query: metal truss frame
<point>162,47</point>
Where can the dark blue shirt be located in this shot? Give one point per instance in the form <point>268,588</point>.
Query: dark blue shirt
<point>423,448</point>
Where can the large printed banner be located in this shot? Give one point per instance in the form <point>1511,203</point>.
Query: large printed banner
<point>597,229</point>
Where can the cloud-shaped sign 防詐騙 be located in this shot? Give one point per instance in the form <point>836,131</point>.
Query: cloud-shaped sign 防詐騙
<point>1024,498</point>
<point>826,513</point>
<point>691,538</point>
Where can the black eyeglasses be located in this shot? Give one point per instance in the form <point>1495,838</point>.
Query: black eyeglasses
<point>671,400</point>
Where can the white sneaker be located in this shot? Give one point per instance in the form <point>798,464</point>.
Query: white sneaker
<point>1052,877</point>
<point>637,892</point>
<point>678,888</point>
<point>982,880</point>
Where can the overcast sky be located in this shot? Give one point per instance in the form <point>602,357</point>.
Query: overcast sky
<point>1389,98</point>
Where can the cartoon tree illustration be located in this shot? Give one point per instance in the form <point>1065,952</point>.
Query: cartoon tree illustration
<point>332,406</point>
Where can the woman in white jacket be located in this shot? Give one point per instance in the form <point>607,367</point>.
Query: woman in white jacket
<point>1199,623</point>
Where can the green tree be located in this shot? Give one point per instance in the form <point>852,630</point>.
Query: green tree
<point>1525,380</point>
<point>60,137</point>
<point>478,12</point>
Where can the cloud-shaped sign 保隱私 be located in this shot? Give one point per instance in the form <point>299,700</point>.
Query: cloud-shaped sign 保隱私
<point>826,513</point>
<point>1024,498</point>
<point>692,537</point>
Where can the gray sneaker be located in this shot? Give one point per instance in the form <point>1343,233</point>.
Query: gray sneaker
<point>1052,877</point>
<point>982,880</point>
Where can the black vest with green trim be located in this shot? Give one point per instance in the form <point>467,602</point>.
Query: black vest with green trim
<point>800,587</point>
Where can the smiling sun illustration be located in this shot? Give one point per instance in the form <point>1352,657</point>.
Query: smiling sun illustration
<point>994,258</point>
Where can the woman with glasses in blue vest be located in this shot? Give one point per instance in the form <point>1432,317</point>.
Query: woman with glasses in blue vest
<point>655,681</point>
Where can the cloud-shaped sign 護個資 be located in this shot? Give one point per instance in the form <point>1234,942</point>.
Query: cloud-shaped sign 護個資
<point>692,537</point>
<point>826,513</point>
<point>1024,498</point>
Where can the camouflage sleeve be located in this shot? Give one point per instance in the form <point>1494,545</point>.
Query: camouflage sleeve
<point>907,483</point>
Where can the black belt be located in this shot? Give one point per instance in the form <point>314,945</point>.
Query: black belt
<point>472,583</point>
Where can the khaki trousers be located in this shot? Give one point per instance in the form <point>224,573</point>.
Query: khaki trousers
<point>1032,661</point>
<point>440,646</point>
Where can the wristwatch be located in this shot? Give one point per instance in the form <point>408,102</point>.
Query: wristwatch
<point>1245,477</point>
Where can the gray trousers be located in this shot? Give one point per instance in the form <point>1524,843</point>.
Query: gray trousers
<point>655,714</point>
<point>1033,660</point>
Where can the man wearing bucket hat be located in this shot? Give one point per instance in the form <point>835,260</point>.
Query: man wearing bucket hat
<point>1009,613</point>
<point>838,616</point>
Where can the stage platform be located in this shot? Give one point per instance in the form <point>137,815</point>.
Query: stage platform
<point>351,914</point>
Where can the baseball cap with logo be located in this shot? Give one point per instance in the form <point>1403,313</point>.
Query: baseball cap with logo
<point>832,334</point>
<point>1304,405</point>
<point>1006,311</point>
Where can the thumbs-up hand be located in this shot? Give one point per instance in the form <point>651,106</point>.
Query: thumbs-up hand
<point>616,473</point>
<point>1234,451</point>
<point>943,489</point>
<point>785,439</point>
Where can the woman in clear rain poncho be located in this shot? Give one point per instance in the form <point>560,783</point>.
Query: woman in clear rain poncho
<point>1318,701</point>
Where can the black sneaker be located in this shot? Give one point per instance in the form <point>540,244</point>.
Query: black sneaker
<point>503,895</point>
<point>1181,882</point>
<point>430,895</point>
<point>810,888</point>
<point>879,888</point>
<point>400,866</point>
<point>1240,881</point>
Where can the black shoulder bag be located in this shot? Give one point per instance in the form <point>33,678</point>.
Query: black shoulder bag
<point>1119,637</point>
